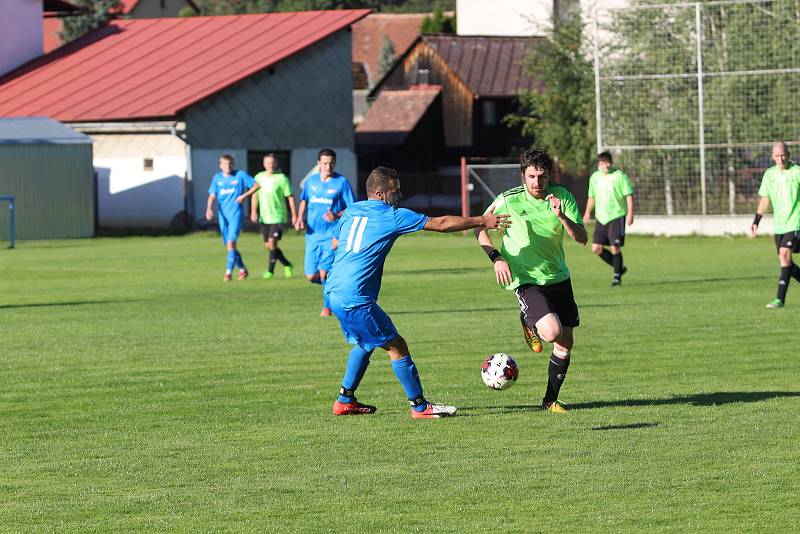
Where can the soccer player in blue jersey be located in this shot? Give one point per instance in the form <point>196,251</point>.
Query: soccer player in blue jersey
<point>326,194</point>
<point>228,188</point>
<point>363,237</point>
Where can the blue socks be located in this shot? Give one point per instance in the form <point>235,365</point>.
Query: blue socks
<point>406,372</point>
<point>230,261</point>
<point>239,261</point>
<point>356,367</point>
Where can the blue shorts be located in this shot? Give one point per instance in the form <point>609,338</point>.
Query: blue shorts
<point>367,325</point>
<point>319,256</point>
<point>229,228</point>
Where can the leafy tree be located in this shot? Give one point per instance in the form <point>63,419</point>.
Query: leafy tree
<point>387,57</point>
<point>438,22</point>
<point>560,117</point>
<point>226,7</point>
<point>97,14</point>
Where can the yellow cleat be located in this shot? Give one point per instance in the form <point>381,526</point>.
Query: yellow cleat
<point>531,338</point>
<point>554,407</point>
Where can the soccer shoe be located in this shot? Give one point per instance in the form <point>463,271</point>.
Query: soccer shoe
<point>434,411</point>
<point>267,275</point>
<point>554,407</point>
<point>326,312</point>
<point>352,408</point>
<point>531,338</point>
<point>616,282</point>
<point>288,271</point>
<point>242,275</point>
<point>777,303</point>
<point>226,278</point>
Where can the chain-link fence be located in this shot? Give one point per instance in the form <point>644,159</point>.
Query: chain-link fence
<point>691,97</point>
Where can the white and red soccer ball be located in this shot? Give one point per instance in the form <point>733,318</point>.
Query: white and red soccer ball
<point>499,371</point>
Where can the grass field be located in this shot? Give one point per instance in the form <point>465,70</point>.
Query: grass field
<point>139,393</point>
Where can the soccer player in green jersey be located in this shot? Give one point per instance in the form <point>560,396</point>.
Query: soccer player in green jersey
<point>531,262</point>
<point>780,188</point>
<point>269,208</point>
<point>611,198</point>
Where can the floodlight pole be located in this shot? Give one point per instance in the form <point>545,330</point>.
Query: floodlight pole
<point>700,109</point>
<point>597,82</point>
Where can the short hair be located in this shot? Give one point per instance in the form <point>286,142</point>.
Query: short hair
<point>538,159</point>
<point>326,152</point>
<point>379,180</point>
<point>227,157</point>
<point>270,155</point>
<point>605,156</point>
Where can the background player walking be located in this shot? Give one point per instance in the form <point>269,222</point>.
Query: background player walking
<point>228,188</point>
<point>269,208</point>
<point>780,188</point>
<point>611,197</point>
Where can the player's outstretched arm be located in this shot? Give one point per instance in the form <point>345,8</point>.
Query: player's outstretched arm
<point>241,198</point>
<point>454,223</point>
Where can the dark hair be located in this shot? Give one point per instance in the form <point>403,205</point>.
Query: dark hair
<point>380,179</point>
<point>270,155</point>
<point>538,159</point>
<point>228,157</point>
<point>326,152</point>
<point>605,156</point>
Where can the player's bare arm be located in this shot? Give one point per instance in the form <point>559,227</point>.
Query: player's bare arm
<point>576,231</point>
<point>763,207</point>
<point>241,198</point>
<point>254,209</point>
<point>209,206</point>
<point>587,213</point>
<point>629,216</point>
<point>292,209</point>
<point>454,223</point>
<point>298,225</point>
<point>502,272</point>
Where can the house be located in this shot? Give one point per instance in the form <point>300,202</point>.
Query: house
<point>163,98</point>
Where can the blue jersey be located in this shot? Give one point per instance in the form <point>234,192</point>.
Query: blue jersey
<point>227,189</point>
<point>335,194</point>
<point>366,233</point>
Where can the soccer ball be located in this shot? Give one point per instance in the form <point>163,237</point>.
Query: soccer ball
<point>499,371</point>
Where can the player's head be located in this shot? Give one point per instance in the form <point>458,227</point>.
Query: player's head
<point>226,164</point>
<point>604,161</point>
<point>780,154</point>
<point>270,163</point>
<point>383,184</point>
<point>326,161</point>
<point>536,167</point>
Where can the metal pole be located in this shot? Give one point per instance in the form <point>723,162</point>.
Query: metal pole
<point>700,110</point>
<point>11,221</point>
<point>597,82</point>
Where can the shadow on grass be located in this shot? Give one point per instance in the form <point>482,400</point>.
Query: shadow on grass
<point>631,426</point>
<point>510,308</point>
<point>56,304</point>
<point>699,280</point>
<point>700,399</point>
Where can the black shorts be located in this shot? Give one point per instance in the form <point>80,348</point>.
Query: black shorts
<point>271,230</point>
<point>788,240</point>
<point>537,301</point>
<point>612,233</point>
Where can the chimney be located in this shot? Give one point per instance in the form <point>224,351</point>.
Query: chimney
<point>21,34</point>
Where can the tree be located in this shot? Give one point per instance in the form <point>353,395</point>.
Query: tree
<point>230,7</point>
<point>438,22</point>
<point>560,117</point>
<point>97,14</point>
<point>387,57</point>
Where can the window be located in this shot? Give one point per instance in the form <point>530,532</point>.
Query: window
<point>148,164</point>
<point>489,112</point>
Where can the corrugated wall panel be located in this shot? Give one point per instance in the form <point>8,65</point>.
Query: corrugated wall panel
<point>53,186</point>
<point>307,102</point>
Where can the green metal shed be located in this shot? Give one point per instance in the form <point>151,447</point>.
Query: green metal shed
<point>47,167</point>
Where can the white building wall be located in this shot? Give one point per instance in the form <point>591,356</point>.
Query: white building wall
<point>128,195</point>
<point>21,37</point>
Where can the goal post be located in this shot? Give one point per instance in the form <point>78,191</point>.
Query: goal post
<point>482,182</point>
<point>10,200</point>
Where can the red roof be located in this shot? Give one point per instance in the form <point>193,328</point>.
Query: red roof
<point>148,68</point>
<point>394,114</point>
<point>370,32</point>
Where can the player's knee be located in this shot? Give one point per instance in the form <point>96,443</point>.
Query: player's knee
<point>597,249</point>
<point>549,331</point>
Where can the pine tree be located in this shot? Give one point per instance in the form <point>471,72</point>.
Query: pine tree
<point>387,57</point>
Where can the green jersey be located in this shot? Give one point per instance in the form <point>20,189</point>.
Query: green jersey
<point>533,245</point>
<point>609,192</point>
<point>275,188</point>
<point>782,188</point>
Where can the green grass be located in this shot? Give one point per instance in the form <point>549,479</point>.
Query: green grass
<point>137,392</point>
